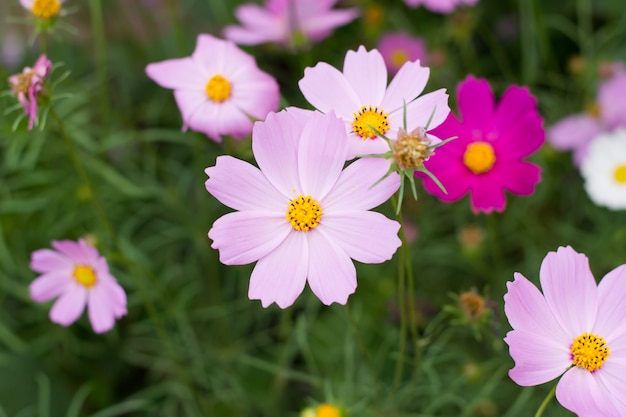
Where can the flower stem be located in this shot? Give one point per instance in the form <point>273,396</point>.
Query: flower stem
<point>545,402</point>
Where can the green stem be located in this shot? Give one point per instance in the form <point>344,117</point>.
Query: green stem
<point>97,31</point>
<point>401,303</point>
<point>545,402</point>
<point>411,290</point>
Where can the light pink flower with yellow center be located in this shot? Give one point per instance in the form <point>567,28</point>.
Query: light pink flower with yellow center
<point>43,9</point>
<point>398,48</point>
<point>360,96</point>
<point>301,216</point>
<point>219,89</point>
<point>77,274</point>
<point>28,85</point>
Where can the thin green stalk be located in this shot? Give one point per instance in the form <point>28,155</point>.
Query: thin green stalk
<point>97,32</point>
<point>362,346</point>
<point>545,402</point>
<point>401,307</point>
<point>411,308</point>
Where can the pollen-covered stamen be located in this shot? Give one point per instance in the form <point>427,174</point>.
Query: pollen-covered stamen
<point>370,116</point>
<point>399,57</point>
<point>589,351</point>
<point>410,150</point>
<point>22,82</point>
<point>85,275</point>
<point>46,9</point>
<point>620,174</point>
<point>218,88</point>
<point>479,157</point>
<point>304,213</point>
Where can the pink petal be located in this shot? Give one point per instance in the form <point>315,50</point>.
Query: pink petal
<point>27,4</point>
<point>321,154</point>
<point>117,298</point>
<point>259,26</point>
<point>355,188</point>
<point>70,305</point>
<point>190,102</point>
<point>216,119</point>
<point>408,83</point>
<point>331,274</point>
<point>475,102</point>
<point>487,194</point>
<point>367,74</point>
<point>320,26</point>
<point>452,174</point>
<point>538,359</point>
<point>611,101</point>
<point>522,138</point>
<point>46,260</point>
<point>357,146</point>
<point>420,111</point>
<point>49,286</point>
<point>519,177</point>
<point>365,236</point>
<point>583,393</point>
<point>321,79</point>
<point>210,55</point>
<point>257,95</point>
<point>246,236</point>
<point>182,73</point>
<point>78,252</point>
<point>574,133</point>
<point>241,186</point>
<point>570,289</point>
<point>100,310</point>
<point>280,276</point>
<point>514,104</point>
<point>611,306</point>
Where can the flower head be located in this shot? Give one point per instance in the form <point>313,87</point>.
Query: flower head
<point>604,170</point>
<point>361,98</point>
<point>397,48</point>
<point>28,86</point>
<point>43,9</point>
<point>218,89</point>
<point>440,6</point>
<point>301,216</point>
<point>576,329</point>
<point>287,22</point>
<point>77,274</point>
<point>487,157</point>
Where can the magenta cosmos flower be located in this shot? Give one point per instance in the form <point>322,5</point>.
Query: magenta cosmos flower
<point>287,22</point>
<point>219,89</point>
<point>576,132</point>
<point>397,48</point>
<point>28,85</point>
<point>360,96</point>
<point>301,216</point>
<point>43,9</point>
<point>440,6</point>
<point>77,274</point>
<point>575,328</point>
<point>487,157</point>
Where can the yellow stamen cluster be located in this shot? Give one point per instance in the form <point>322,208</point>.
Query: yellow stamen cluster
<point>479,157</point>
<point>589,351</point>
<point>46,9</point>
<point>620,174</point>
<point>218,88</point>
<point>304,213</point>
<point>22,83</point>
<point>327,410</point>
<point>85,275</point>
<point>399,57</point>
<point>411,149</point>
<point>473,305</point>
<point>370,116</point>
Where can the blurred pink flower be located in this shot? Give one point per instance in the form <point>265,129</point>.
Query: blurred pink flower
<point>361,98</point>
<point>440,6</point>
<point>576,329</point>
<point>398,48</point>
<point>218,89</point>
<point>44,9</point>
<point>13,49</point>
<point>77,274</point>
<point>301,215</point>
<point>28,85</point>
<point>576,132</point>
<point>487,157</point>
<point>287,22</point>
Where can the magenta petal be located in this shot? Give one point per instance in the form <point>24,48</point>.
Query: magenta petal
<point>487,194</point>
<point>519,177</point>
<point>331,274</point>
<point>452,174</point>
<point>70,305</point>
<point>321,79</point>
<point>182,73</point>
<point>475,102</point>
<point>570,289</point>
<point>514,104</point>
<point>46,260</point>
<point>367,74</point>
<point>408,83</point>
<point>100,310</point>
<point>611,305</point>
<point>280,276</point>
<point>241,186</point>
<point>246,236</point>
<point>49,286</point>
<point>365,236</point>
<point>522,138</point>
<point>429,111</point>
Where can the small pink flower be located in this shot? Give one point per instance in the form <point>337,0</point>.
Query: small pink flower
<point>287,22</point>
<point>361,98</point>
<point>43,9</point>
<point>487,157</point>
<point>397,48</point>
<point>28,85</point>
<point>440,6</point>
<point>219,89</point>
<point>77,274</point>
<point>301,216</point>
<point>576,329</point>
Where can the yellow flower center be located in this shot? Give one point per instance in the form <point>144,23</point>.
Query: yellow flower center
<point>411,149</point>
<point>304,213</point>
<point>327,410</point>
<point>85,275</point>
<point>589,351</point>
<point>593,110</point>
<point>399,57</point>
<point>620,174</point>
<point>218,88</point>
<point>479,157</point>
<point>370,116</point>
<point>46,9</point>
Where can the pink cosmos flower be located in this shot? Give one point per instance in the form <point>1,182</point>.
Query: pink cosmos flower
<point>360,96</point>
<point>218,89</point>
<point>576,329</point>
<point>43,9</point>
<point>301,216</point>
<point>397,48</point>
<point>287,22</point>
<point>487,157</point>
<point>440,6</point>
<point>77,274</point>
<point>28,85</point>
<point>576,132</point>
